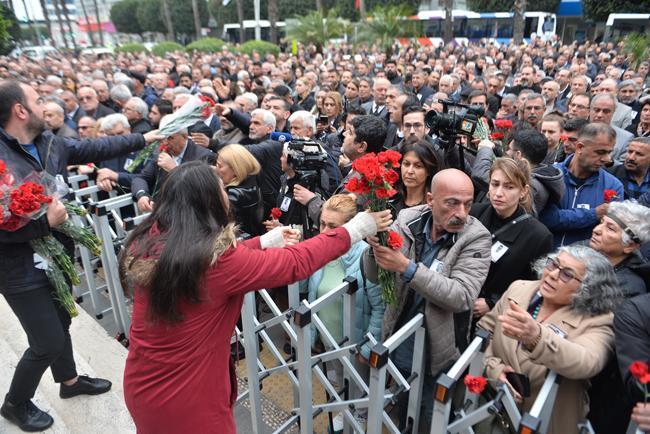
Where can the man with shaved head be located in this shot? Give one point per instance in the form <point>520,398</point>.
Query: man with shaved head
<point>439,270</point>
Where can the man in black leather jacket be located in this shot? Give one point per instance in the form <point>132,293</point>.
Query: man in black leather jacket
<point>26,147</point>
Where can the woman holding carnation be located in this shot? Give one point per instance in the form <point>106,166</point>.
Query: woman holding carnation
<point>419,164</point>
<point>190,275</point>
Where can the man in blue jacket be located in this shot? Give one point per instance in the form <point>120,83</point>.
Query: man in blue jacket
<point>586,181</point>
<point>26,147</point>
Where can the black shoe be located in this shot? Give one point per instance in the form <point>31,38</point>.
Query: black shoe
<point>85,386</point>
<point>27,416</point>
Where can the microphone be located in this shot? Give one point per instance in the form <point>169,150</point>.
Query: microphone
<point>281,137</point>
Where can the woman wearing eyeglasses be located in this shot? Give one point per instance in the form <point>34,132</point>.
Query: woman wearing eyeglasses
<point>561,322</point>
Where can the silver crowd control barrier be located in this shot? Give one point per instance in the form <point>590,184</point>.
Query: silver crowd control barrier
<point>354,394</point>
<point>472,360</point>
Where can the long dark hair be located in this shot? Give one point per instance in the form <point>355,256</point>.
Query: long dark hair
<point>177,240</point>
<point>428,157</point>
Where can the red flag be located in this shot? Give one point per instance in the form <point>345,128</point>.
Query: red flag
<point>357,4</point>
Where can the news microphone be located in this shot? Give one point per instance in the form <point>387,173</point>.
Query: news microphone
<point>281,137</point>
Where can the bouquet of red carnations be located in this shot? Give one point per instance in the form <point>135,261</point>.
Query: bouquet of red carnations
<point>376,184</point>
<point>21,202</point>
<point>196,109</point>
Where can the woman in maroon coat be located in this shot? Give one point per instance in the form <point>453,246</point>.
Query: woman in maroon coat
<point>190,276</point>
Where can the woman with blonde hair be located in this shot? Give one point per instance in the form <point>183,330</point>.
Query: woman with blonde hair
<point>238,169</point>
<point>518,238</point>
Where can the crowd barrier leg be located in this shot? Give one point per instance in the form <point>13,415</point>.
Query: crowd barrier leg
<point>418,367</point>
<point>302,322</point>
<point>252,355</point>
<point>537,419</point>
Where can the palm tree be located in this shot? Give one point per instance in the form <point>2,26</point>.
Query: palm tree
<point>48,23</point>
<point>448,26</point>
<point>168,21</point>
<point>69,23</point>
<point>518,21</point>
<point>99,23</point>
<point>88,26</point>
<point>272,6</point>
<point>240,18</point>
<point>57,10</point>
<point>387,23</point>
<point>197,18</point>
<point>316,28</point>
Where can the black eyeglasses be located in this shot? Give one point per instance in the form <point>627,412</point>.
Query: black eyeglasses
<point>565,274</point>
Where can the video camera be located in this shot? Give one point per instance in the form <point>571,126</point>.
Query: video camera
<point>462,119</point>
<point>306,157</point>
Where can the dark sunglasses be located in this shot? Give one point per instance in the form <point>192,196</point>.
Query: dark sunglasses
<point>565,274</point>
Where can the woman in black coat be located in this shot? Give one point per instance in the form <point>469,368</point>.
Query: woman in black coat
<point>238,170</point>
<point>518,239</point>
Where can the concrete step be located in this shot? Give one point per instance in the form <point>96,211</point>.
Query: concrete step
<point>96,355</point>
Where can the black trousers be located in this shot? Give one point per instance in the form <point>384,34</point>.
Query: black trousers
<point>47,326</point>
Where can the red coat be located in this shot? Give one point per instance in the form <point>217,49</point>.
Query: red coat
<point>178,377</point>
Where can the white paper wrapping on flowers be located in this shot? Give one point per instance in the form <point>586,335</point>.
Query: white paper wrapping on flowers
<point>190,113</point>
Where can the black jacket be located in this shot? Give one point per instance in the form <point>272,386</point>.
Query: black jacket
<point>102,111</point>
<point>152,177</point>
<point>17,272</point>
<point>248,208</point>
<point>632,334</point>
<point>141,126</point>
<point>620,172</point>
<point>526,242</point>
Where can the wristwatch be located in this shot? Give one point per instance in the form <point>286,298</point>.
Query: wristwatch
<point>140,194</point>
<point>531,346</point>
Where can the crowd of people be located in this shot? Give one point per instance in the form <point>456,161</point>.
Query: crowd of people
<point>537,233</point>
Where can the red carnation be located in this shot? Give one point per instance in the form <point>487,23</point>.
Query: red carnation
<point>3,167</point>
<point>389,156</point>
<point>207,110</point>
<point>391,177</point>
<point>357,185</point>
<point>497,136</point>
<point>564,138</point>
<point>383,193</point>
<point>638,369</point>
<point>610,195</point>
<point>276,213</point>
<point>645,379</point>
<point>395,241</point>
<point>163,148</point>
<point>503,123</point>
<point>475,384</point>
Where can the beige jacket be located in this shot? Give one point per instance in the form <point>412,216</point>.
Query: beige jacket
<point>581,355</point>
<point>466,262</point>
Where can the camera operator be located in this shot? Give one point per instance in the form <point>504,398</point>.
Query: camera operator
<point>365,133</point>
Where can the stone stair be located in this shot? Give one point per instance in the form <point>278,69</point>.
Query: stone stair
<point>96,354</point>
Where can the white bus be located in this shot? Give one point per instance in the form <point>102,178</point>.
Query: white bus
<point>231,30</point>
<point>494,26</point>
<point>619,25</point>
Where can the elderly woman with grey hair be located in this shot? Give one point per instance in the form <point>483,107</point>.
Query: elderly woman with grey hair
<point>561,322</point>
<point>618,236</point>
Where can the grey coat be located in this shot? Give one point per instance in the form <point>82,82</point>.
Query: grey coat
<point>466,261</point>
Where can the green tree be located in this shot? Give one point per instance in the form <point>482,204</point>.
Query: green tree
<point>316,28</point>
<point>183,18</point>
<point>387,23</point>
<point>507,6</point>
<point>9,30</point>
<point>598,10</point>
<point>123,15</point>
<point>638,47</point>
<point>149,15</point>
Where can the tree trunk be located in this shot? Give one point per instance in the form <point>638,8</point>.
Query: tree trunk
<point>197,18</point>
<point>240,18</point>
<point>448,26</point>
<point>273,19</point>
<point>48,23</point>
<point>32,30</point>
<point>57,10</point>
<point>362,9</point>
<point>89,30</point>
<point>319,5</point>
<point>99,23</point>
<point>519,22</point>
<point>168,21</point>
<point>69,23</point>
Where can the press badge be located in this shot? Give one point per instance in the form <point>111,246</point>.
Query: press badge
<point>127,163</point>
<point>284,206</point>
<point>436,266</point>
<point>583,206</point>
<point>40,263</point>
<point>498,250</point>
